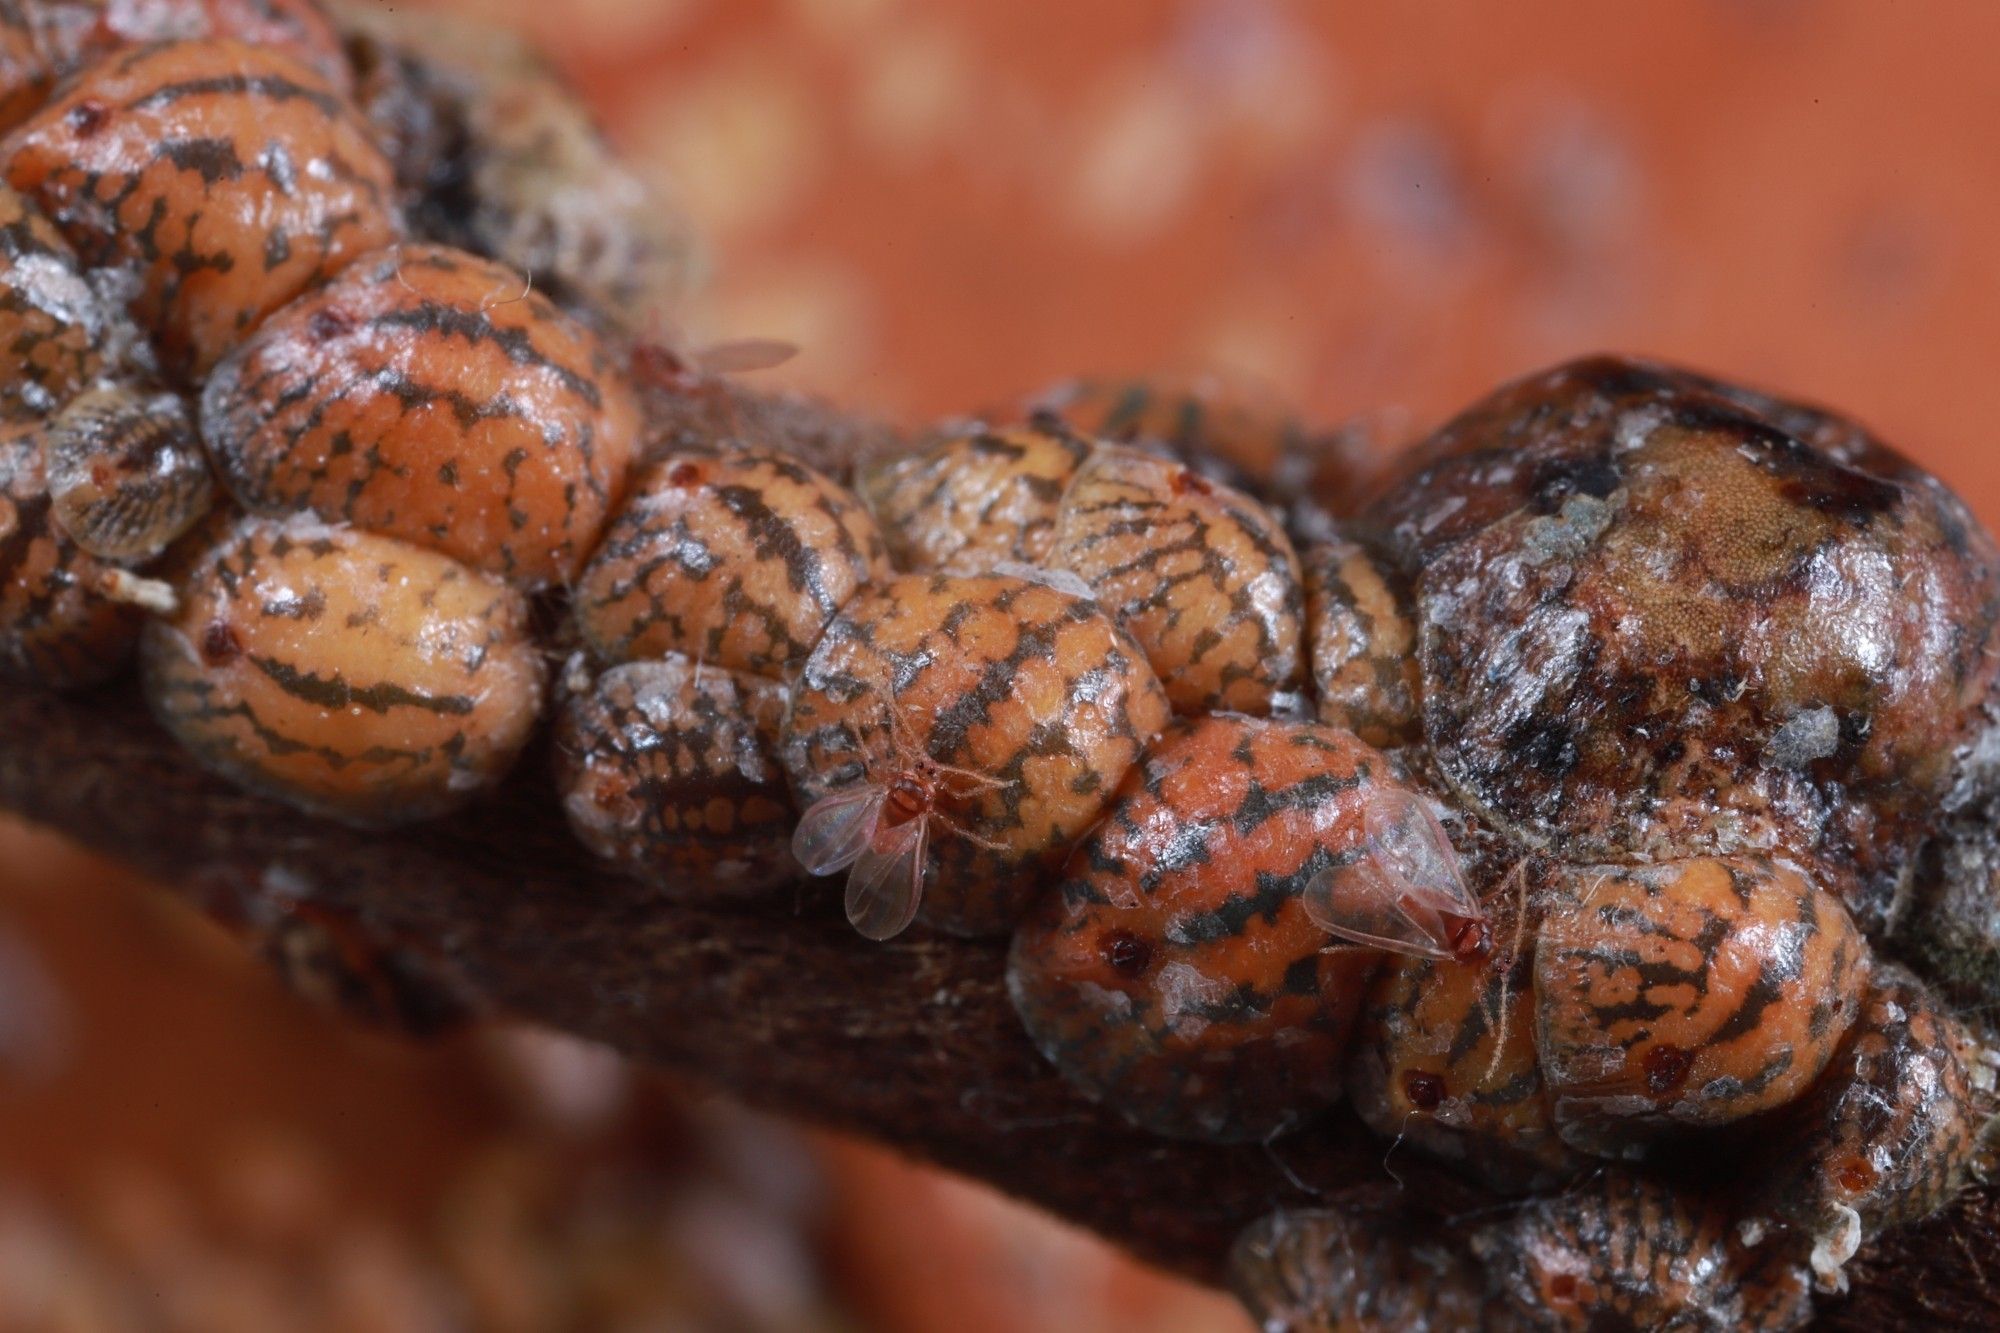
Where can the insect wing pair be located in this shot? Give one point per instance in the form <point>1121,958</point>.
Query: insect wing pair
<point>884,861</point>
<point>1404,892</point>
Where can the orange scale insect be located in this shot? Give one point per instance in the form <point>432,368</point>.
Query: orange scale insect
<point>951,738</point>
<point>1202,576</point>
<point>223,178</point>
<point>1184,974</point>
<point>1689,995</point>
<point>736,559</point>
<point>428,394</point>
<point>351,674</point>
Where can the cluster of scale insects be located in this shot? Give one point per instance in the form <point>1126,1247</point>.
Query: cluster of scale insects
<point>1546,799</point>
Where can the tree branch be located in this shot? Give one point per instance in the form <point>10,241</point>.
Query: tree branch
<point>912,1043</point>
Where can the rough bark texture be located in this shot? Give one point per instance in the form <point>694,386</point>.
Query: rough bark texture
<point>912,1043</point>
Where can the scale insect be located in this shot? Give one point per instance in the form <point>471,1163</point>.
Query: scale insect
<point>1404,892</point>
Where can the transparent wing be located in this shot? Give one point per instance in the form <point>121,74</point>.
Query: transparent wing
<point>1404,892</point>
<point>887,881</point>
<point>836,829</point>
<point>745,354</point>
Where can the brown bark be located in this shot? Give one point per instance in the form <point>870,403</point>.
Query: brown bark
<point>912,1043</point>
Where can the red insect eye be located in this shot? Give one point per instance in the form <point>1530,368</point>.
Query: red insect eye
<point>1426,1091</point>
<point>1189,482</point>
<point>1125,953</point>
<point>1666,1069</point>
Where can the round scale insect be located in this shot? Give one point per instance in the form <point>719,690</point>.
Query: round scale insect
<point>951,738</point>
<point>1354,1264</point>
<point>1652,623</point>
<point>1182,974</point>
<point>1201,575</point>
<point>1691,994</point>
<point>976,499</point>
<point>1617,1250</point>
<point>221,179</point>
<point>354,675</point>
<point>126,472</point>
<point>428,394</point>
<point>737,559</point>
<point>667,771</point>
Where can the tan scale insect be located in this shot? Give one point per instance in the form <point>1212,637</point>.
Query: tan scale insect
<point>354,675</point>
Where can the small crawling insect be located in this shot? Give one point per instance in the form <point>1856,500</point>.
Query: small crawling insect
<point>975,727</point>
<point>881,830</point>
<point>1404,893</point>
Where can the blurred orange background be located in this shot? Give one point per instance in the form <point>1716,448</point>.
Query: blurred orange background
<point>1379,210</point>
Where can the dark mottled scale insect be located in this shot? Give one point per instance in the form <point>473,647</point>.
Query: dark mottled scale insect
<point>1361,645</point>
<point>354,675</point>
<point>951,738</point>
<point>976,499</point>
<point>58,333</point>
<point>428,394</point>
<point>1354,1265</point>
<point>126,472</point>
<point>1181,973</point>
<point>669,771</point>
<point>221,178</point>
<point>495,153</point>
<point>736,559</point>
<point>56,626</point>
<point>1653,620</point>
<point>1885,1137</point>
<point>1689,995</point>
<point>332,960</point>
<point>1622,1251</point>
<point>1200,574</point>
<point>1444,1059</point>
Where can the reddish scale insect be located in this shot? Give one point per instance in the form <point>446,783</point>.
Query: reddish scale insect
<point>1184,973</point>
<point>1886,1136</point>
<point>428,394</point>
<point>220,179</point>
<point>951,739</point>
